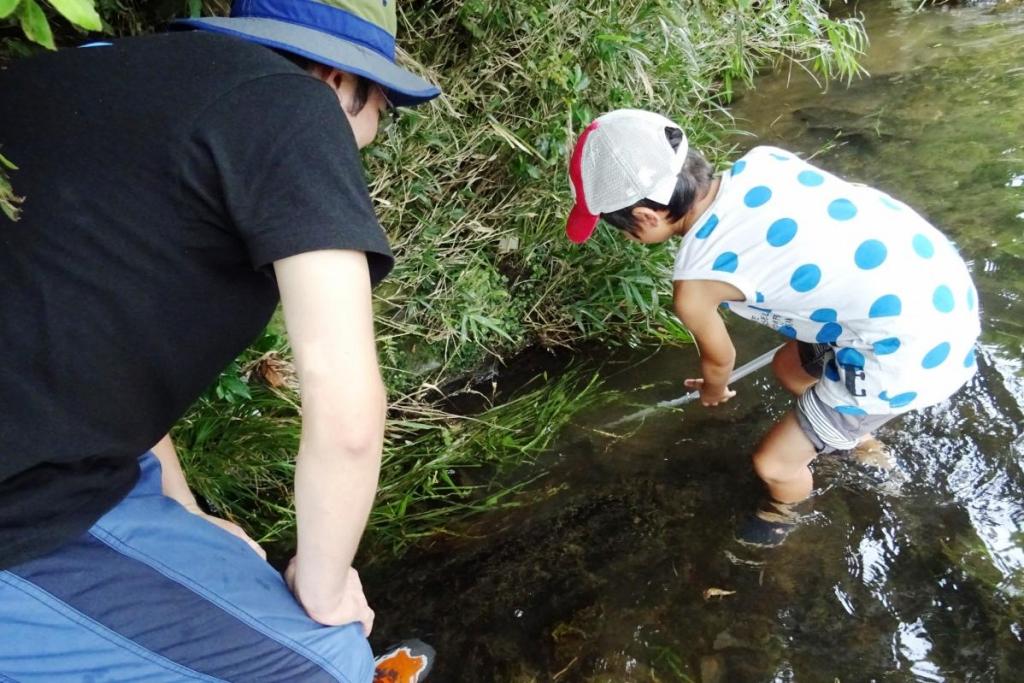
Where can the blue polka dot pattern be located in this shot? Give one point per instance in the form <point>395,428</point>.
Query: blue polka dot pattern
<point>971,298</point>
<point>757,196</point>
<point>884,347</point>
<point>850,357</point>
<point>936,356</point>
<point>884,395</point>
<point>943,299</point>
<point>780,157</point>
<point>810,178</point>
<point>759,297</point>
<point>832,371</point>
<point>738,167</point>
<point>842,209</point>
<point>709,227</point>
<point>829,333</point>
<point>781,232</point>
<point>870,254</point>
<point>727,262</point>
<point>851,410</point>
<point>970,359</point>
<point>788,331</point>
<point>903,399</point>
<point>825,315</point>
<point>923,246</point>
<point>805,278</point>
<point>886,306</point>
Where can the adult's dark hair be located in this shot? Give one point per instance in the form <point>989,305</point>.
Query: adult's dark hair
<point>692,182</point>
<point>363,84</point>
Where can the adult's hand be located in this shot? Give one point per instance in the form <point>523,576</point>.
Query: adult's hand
<point>229,527</point>
<point>351,606</point>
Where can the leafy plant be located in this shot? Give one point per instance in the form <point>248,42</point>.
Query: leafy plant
<point>36,27</point>
<point>8,200</point>
<point>35,24</point>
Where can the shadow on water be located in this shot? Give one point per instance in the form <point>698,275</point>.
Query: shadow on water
<point>621,565</point>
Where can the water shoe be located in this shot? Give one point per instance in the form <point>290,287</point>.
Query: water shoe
<point>408,662</point>
<point>768,526</point>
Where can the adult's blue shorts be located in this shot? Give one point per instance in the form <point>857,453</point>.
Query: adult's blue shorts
<point>154,593</point>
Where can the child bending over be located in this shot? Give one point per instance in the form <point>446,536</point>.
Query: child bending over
<point>879,308</point>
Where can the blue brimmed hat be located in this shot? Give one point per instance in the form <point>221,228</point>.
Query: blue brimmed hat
<point>357,36</point>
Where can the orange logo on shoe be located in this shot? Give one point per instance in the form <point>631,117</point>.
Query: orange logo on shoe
<point>400,666</point>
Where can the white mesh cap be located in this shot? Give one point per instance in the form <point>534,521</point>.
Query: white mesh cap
<point>620,158</point>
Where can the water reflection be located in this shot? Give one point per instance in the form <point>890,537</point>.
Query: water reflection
<point>624,568</point>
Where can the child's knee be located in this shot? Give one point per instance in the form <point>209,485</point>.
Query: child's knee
<point>771,466</point>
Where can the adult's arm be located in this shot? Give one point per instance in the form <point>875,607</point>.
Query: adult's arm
<point>172,478</point>
<point>175,486</point>
<point>329,318</point>
<point>696,304</point>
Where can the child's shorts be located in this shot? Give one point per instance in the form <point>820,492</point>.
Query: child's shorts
<point>828,429</point>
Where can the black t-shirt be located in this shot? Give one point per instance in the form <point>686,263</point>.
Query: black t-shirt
<point>163,175</point>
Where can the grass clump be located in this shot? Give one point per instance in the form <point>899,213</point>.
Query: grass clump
<point>472,191</point>
<point>473,188</point>
<point>238,446</point>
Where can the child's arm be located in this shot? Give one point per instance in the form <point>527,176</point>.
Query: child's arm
<point>696,303</point>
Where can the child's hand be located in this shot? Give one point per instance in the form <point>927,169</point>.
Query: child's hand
<point>710,395</point>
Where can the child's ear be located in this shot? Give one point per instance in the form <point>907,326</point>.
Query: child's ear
<point>645,217</point>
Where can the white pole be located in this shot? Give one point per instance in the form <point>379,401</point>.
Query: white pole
<point>737,374</point>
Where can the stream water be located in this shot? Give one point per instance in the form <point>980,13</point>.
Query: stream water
<point>622,566</point>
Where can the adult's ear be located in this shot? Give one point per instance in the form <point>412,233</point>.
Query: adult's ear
<point>329,75</point>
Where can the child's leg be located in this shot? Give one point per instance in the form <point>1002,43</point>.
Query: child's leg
<point>799,365</point>
<point>782,459</point>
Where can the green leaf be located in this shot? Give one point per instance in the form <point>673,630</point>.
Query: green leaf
<point>195,8</point>
<point>34,24</point>
<point>79,12</point>
<point>7,7</point>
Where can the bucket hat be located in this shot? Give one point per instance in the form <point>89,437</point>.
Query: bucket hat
<point>357,36</point>
<point>620,158</point>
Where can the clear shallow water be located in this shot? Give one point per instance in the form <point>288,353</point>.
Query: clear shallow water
<point>622,567</point>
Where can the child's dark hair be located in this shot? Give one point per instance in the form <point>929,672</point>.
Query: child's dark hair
<point>692,182</point>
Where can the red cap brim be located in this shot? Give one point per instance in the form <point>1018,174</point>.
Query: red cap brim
<point>581,224</point>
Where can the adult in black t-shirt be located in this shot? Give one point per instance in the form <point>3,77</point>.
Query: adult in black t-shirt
<point>177,187</point>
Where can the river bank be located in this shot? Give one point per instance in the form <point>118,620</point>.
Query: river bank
<point>619,564</point>
<point>472,193</point>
